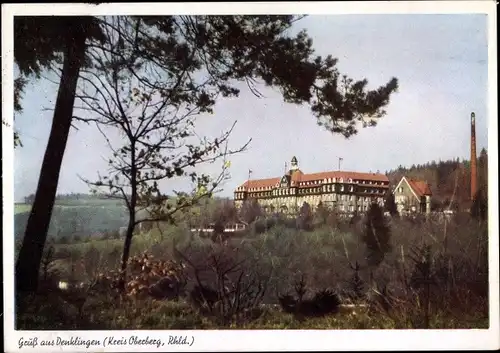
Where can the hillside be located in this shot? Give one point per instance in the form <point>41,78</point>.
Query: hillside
<point>80,215</point>
<point>449,180</point>
<point>83,218</point>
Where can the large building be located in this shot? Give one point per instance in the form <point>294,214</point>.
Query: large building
<point>345,191</point>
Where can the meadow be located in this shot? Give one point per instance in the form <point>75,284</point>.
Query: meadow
<point>20,208</point>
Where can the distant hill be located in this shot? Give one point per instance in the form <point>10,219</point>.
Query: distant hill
<point>83,218</point>
<point>86,215</point>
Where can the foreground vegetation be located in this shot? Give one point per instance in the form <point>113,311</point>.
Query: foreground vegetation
<point>52,313</point>
<point>431,274</point>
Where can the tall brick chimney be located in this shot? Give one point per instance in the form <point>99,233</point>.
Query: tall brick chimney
<point>473,158</point>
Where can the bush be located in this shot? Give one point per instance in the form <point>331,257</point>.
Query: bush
<point>228,287</point>
<point>260,226</point>
<point>377,236</point>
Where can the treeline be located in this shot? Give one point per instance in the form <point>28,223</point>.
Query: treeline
<point>73,196</point>
<point>449,180</point>
<point>74,223</point>
<point>82,198</point>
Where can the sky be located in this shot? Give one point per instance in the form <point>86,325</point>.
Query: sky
<point>440,61</point>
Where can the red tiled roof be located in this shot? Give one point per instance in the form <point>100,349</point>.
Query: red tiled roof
<point>299,176</point>
<point>261,183</point>
<point>421,188</point>
<point>345,176</point>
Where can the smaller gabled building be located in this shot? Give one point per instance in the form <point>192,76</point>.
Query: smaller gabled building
<point>412,196</point>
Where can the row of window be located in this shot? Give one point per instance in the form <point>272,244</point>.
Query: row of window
<point>342,207</point>
<point>287,192</point>
<point>320,182</point>
<point>351,198</point>
<point>351,208</point>
<point>341,180</point>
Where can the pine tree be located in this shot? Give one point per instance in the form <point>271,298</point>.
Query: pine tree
<point>390,204</point>
<point>377,236</point>
<point>479,209</point>
<point>305,218</point>
<point>42,42</point>
<point>321,214</point>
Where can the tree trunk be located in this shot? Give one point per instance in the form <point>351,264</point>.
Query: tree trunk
<point>30,255</point>
<point>131,221</point>
<point>126,251</point>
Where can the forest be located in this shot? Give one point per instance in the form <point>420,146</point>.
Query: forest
<point>449,180</point>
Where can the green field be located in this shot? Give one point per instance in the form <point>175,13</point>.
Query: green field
<point>21,208</point>
<point>76,217</point>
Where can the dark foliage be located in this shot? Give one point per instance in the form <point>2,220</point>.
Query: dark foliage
<point>356,286</point>
<point>166,288</point>
<point>479,209</point>
<point>203,296</point>
<point>377,236</point>
<point>390,204</point>
<point>250,211</point>
<point>323,302</point>
<point>305,217</point>
<point>321,214</point>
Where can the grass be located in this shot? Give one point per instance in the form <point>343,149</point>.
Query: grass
<point>179,315</point>
<point>21,208</point>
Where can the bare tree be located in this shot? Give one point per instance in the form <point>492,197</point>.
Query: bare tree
<point>226,286</point>
<point>156,122</point>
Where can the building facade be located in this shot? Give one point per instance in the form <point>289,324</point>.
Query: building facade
<point>346,192</point>
<point>412,196</point>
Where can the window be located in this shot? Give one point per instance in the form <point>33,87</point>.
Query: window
<point>342,188</point>
<point>400,189</point>
<point>351,189</point>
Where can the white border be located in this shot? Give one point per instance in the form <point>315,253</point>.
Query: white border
<point>263,340</point>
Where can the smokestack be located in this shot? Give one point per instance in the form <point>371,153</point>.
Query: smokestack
<point>473,157</point>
